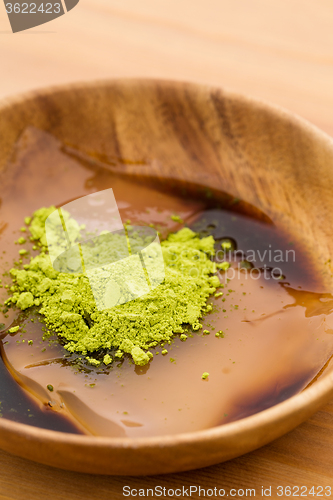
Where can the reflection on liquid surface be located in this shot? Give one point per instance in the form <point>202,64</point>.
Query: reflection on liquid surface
<point>277,332</point>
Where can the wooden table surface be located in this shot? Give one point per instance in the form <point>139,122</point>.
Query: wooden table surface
<point>277,50</point>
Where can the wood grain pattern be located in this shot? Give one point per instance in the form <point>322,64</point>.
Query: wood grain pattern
<point>278,51</point>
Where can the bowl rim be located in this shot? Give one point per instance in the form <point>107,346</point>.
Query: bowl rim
<point>316,395</point>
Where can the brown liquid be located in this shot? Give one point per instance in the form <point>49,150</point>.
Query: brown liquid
<point>277,332</point>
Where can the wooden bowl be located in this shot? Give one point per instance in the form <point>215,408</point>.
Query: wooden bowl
<point>261,154</point>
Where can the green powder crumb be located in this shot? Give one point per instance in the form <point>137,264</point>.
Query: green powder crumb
<point>139,356</point>
<point>23,251</point>
<point>226,245</point>
<point>107,359</point>
<point>24,300</point>
<point>182,337</point>
<point>30,342</point>
<point>223,265</point>
<point>93,361</point>
<point>177,218</point>
<point>14,329</point>
<point>68,308</point>
<point>206,332</point>
<point>219,294</point>
<point>205,375</point>
<point>50,387</point>
<point>214,281</point>
<point>21,240</point>
<point>27,220</point>
<point>23,229</point>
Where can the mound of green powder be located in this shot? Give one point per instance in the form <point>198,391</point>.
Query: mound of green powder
<point>68,307</point>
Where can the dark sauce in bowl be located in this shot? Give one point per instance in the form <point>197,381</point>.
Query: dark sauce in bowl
<point>275,314</point>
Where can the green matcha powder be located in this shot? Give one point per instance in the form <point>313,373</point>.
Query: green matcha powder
<point>68,307</point>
